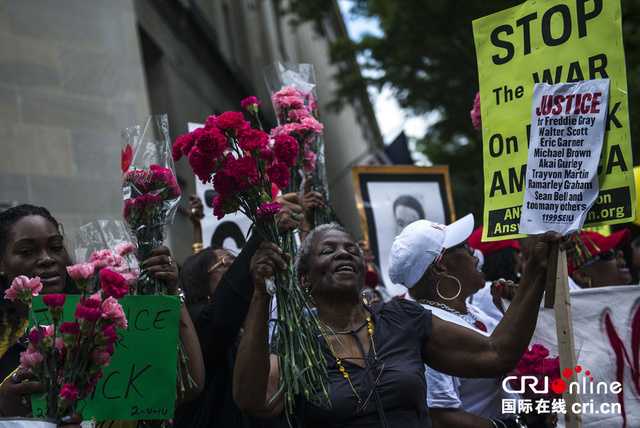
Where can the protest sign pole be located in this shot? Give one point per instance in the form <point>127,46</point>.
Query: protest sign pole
<point>564,329</point>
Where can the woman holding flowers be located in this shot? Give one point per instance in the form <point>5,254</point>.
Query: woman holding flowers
<point>31,246</point>
<point>375,355</point>
<point>218,290</point>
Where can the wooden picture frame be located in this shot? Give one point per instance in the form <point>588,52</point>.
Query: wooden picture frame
<point>411,189</point>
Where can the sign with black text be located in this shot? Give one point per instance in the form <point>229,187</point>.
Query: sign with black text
<point>140,382</point>
<point>567,131</point>
<point>549,42</point>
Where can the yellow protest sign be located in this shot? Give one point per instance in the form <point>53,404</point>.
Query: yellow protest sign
<point>552,42</point>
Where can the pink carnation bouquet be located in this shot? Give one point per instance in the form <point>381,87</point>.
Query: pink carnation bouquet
<point>292,90</point>
<point>151,192</point>
<point>68,356</point>
<point>244,165</point>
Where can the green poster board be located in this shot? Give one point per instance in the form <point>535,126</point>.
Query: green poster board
<point>140,382</point>
<point>549,41</point>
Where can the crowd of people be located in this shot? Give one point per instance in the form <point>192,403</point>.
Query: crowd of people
<point>433,357</point>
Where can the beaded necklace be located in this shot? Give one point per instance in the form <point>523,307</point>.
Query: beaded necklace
<point>476,322</point>
<point>339,362</point>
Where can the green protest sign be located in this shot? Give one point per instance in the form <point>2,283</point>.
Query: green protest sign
<point>551,42</point>
<point>140,382</point>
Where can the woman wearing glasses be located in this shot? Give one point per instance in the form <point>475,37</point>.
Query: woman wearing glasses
<point>218,289</point>
<point>604,263</point>
<point>375,355</point>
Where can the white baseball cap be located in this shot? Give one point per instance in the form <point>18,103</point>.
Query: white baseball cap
<point>422,243</point>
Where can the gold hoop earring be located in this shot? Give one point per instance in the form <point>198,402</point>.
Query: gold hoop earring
<point>448,298</point>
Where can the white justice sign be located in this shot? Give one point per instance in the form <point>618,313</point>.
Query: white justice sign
<point>567,132</point>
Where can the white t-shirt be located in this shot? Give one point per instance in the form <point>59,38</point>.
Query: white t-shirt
<point>481,397</point>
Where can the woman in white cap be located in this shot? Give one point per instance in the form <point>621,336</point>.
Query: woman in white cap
<point>442,283</point>
<point>376,354</point>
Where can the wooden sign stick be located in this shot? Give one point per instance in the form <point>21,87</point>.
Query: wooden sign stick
<point>564,329</point>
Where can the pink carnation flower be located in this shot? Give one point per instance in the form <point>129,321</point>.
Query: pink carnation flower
<point>69,392</point>
<point>125,248</point>
<point>30,358</point>
<point>107,258</point>
<point>309,161</point>
<point>113,284</point>
<point>287,91</point>
<point>298,114</point>
<point>23,288</point>
<point>112,310</point>
<point>130,277</point>
<point>100,357</point>
<point>81,270</point>
<point>293,102</point>
<point>312,124</point>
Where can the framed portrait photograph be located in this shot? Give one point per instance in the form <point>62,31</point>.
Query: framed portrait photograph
<point>391,197</point>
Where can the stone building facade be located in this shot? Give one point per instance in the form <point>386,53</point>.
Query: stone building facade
<point>74,73</point>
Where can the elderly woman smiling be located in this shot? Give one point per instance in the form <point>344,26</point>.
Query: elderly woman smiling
<point>376,354</point>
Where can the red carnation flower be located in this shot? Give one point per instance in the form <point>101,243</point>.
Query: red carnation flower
<point>69,328</point>
<point>69,392</point>
<point>54,300</point>
<point>229,121</point>
<point>212,142</point>
<point>266,154</point>
<point>210,123</point>
<point>279,174</point>
<point>87,314</point>
<point>286,149</point>
<point>244,167</point>
<point>268,210</point>
<point>253,139</point>
<point>202,164</point>
<point>224,183</point>
<point>249,101</point>
<point>190,140</point>
<point>218,206</point>
<point>113,284</point>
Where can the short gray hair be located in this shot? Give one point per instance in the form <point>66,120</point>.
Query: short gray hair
<point>301,265</point>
